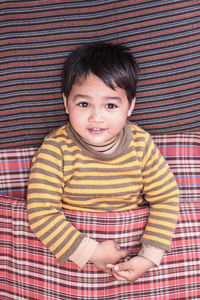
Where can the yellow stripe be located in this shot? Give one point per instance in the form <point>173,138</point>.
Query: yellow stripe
<point>158,230</point>
<point>108,173</point>
<point>99,209</point>
<point>103,182</point>
<point>40,222</point>
<point>43,196</point>
<point>100,166</point>
<point>167,194</point>
<point>122,158</point>
<point>60,130</point>
<point>44,187</point>
<point>146,157</point>
<point>86,158</point>
<point>157,239</point>
<point>159,183</point>
<point>68,245</point>
<point>173,198</point>
<point>167,206</point>
<point>34,175</point>
<point>48,227</point>
<point>164,215</point>
<point>154,158</point>
<point>42,205</point>
<point>69,149</point>
<point>46,168</point>
<point>104,191</point>
<point>51,148</point>
<point>151,170</point>
<point>42,213</point>
<point>105,166</point>
<point>164,223</point>
<point>98,201</point>
<point>62,238</point>
<point>55,233</point>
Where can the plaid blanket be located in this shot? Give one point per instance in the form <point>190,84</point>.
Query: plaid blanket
<point>14,171</point>
<point>29,271</point>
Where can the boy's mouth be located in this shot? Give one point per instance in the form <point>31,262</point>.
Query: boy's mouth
<point>96,130</point>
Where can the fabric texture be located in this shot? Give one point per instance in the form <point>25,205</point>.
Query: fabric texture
<point>68,174</point>
<point>29,271</point>
<point>36,36</point>
<point>14,171</point>
<point>181,150</point>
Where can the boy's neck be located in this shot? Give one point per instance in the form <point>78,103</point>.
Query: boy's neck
<point>108,148</point>
<point>104,148</point>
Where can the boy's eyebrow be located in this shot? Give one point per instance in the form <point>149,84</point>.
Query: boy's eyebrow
<point>113,98</point>
<point>77,96</point>
<point>81,96</point>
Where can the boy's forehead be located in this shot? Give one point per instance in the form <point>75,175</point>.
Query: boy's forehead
<point>92,85</point>
<point>93,81</point>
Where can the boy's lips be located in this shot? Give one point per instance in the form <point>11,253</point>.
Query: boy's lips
<point>96,130</point>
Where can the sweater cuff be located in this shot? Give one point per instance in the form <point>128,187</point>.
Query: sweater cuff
<point>84,251</point>
<point>152,253</point>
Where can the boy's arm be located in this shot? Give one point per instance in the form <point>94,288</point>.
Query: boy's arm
<point>162,194</point>
<point>45,214</point>
<point>83,252</point>
<point>152,253</point>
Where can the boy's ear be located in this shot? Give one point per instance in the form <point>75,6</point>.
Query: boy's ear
<point>65,104</point>
<point>131,108</point>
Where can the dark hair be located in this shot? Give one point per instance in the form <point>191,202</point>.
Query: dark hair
<point>112,63</point>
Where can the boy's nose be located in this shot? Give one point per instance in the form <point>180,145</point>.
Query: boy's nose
<point>96,115</point>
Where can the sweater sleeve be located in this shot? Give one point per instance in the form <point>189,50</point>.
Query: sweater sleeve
<point>161,192</point>
<point>44,206</point>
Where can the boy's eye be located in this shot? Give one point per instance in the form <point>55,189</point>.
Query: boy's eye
<point>83,104</point>
<point>110,105</point>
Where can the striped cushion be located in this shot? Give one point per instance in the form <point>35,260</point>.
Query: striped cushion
<point>29,271</point>
<point>36,37</point>
<point>181,150</point>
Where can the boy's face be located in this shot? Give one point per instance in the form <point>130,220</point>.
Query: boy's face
<point>96,112</point>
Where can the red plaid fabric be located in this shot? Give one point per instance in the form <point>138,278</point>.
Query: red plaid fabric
<point>14,171</point>
<point>29,271</point>
<point>182,152</point>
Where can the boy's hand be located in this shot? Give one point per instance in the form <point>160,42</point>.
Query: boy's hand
<point>107,252</point>
<point>131,270</point>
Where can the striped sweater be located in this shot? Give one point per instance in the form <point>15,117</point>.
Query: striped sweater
<point>67,174</point>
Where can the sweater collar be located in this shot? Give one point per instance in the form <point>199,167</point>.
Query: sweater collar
<point>125,139</point>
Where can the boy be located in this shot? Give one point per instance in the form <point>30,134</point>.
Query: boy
<point>100,163</point>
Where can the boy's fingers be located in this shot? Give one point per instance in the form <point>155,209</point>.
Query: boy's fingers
<point>110,266</point>
<point>117,246</point>
<point>124,253</point>
<point>117,276</point>
<point>122,266</point>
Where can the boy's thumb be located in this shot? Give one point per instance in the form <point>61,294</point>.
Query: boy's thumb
<point>124,253</point>
<point>121,267</point>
